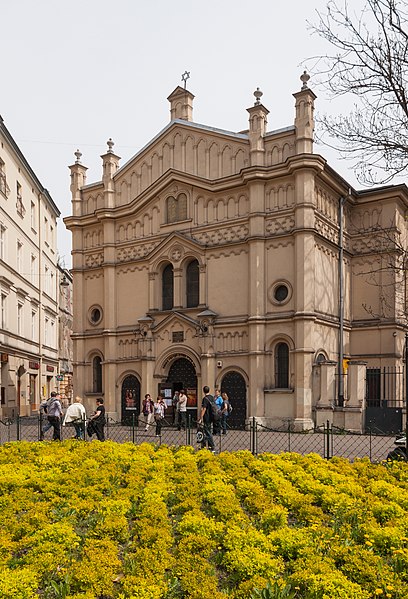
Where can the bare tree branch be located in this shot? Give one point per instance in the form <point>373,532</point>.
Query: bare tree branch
<point>370,61</point>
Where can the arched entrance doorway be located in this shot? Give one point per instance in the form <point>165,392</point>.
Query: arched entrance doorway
<point>233,383</point>
<point>182,375</point>
<point>130,398</point>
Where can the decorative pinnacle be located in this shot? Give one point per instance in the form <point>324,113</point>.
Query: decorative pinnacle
<point>258,95</point>
<point>184,77</point>
<point>304,78</point>
<point>110,145</point>
<point>78,155</point>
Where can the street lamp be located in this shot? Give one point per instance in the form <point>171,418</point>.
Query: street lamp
<point>340,394</point>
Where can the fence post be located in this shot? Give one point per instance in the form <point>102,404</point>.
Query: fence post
<point>40,426</point>
<point>133,427</point>
<point>253,435</point>
<point>327,437</point>
<point>289,439</point>
<point>107,427</point>
<point>370,440</point>
<point>188,429</point>
<point>18,431</point>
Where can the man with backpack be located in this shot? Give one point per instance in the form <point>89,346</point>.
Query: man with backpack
<point>207,418</point>
<point>54,413</point>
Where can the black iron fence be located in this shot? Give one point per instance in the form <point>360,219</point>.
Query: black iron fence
<point>385,387</point>
<point>327,441</point>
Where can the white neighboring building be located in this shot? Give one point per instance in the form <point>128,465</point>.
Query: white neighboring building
<point>29,283</point>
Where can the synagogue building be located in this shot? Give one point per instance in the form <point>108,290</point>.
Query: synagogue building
<point>238,260</point>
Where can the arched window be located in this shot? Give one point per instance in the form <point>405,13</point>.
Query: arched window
<point>97,375</point>
<point>193,284</point>
<point>167,287</point>
<point>282,366</point>
<point>321,358</point>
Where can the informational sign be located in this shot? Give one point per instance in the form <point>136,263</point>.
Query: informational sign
<point>191,398</point>
<point>130,399</point>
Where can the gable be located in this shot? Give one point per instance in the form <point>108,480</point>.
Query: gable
<point>187,148</point>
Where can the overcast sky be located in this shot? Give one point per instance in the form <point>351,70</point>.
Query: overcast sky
<point>75,73</point>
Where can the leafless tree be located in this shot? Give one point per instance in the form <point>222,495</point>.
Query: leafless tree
<point>370,62</point>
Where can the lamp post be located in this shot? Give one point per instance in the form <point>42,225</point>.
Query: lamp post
<point>340,393</point>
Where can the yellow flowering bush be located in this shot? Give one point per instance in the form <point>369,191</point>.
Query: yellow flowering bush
<point>91,521</point>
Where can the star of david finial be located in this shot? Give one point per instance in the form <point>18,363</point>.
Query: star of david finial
<point>184,77</point>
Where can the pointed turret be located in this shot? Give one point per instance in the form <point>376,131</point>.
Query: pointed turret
<point>78,180</point>
<point>257,129</point>
<point>110,163</point>
<point>304,119</point>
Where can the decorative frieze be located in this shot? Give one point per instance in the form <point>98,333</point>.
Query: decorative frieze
<point>277,226</point>
<point>328,251</point>
<point>221,236</point>
<point>93,239</point>
<point>135,252</point>
<point>128,348</point>
<point>212,209</point>
<point>279,197</point>
<point>279,152</point>
<point>327,230</point>
<point>327,204</point>
<point>93,260</point>
<point>232,342</point>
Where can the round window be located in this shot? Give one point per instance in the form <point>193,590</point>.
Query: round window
<point>95,315</point>
<point>281,293</point>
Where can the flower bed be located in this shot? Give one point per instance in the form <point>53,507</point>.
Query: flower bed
<point>109,521</point>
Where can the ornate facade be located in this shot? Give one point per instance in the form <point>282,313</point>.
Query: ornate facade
<point>213,257</point>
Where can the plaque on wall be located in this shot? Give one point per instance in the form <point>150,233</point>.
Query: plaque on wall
<point>178,336</point>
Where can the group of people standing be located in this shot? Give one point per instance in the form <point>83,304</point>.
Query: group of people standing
<point>53,413</point>
<point>154,411</point>
<point>214,412</point>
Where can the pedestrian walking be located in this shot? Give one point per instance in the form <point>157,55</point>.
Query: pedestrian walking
<point>45,424</point>
<point>148,410</point>
<point>206,419</point>
<point>54,413</point>
<point>76,416</point>
<point>159,410</point>
<point>97,421</point>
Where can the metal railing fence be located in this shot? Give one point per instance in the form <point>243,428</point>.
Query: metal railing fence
<point>326,441</point>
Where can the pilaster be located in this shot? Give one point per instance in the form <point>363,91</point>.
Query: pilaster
<point>178,288</point>
<point>325,405</point>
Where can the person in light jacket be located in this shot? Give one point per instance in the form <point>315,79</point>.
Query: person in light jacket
<point>76,415</point>
<point>182,410</point>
